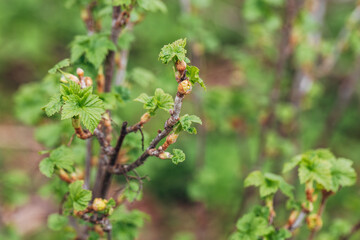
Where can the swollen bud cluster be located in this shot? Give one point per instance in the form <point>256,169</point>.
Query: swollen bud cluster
<point>81,80</point>
<point>99,204</point>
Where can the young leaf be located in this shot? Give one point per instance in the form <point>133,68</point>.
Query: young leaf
<point>185,122</point>
<point>54,105</point>
<point>173,52</point>
<point>163,100</point>
<point>89,108</point>
<point>152,5</point>
<point>121,2</point>
<point>57,222</point>
<point>178,156</point>
<point>342,173</point>
<point>95,48</point>
<point>252,227</point>
<point>254,179</point>
<point>193,75</point>
<point>47,167</point>
<point>59,65</point>
<point>62,157</point>
<point>78,197</point>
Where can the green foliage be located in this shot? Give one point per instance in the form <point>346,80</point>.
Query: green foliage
<point>193,75</point>
<point>141,76</point>
<point>178,156</point>
<point>268,184</point>
<point>60,158</point>
<point>322,167</point>
<point>126,224</point>
<point>185,122</point>
<point>160,100</point>
<point>59,65</point>
<point>132,191</point>
<point>152,5</point>
<point>121,2</point>
<point>78,198</point>
<point>253,225</point>
<point>57,222</point>
<point>74,102</point>
<point>173,52</point>
<point>94,48</point>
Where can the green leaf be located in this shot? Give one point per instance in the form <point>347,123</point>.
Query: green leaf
<point>163,100</point>
<point>94,48</point>
<point>293,163</point>
<point>185,122</point>
<point>57,222</point>
<point>89,108</point>
<point>192,73</point>
<point>173,52</point>
<point>252,227</point>
<point>342,173</point>
<point>315,169</point>
<point>132,191</point>
<point>59,65</point>
<point>269,184</point>
<point>54,105</point>
<point>178,156</point>
<point>47,167</point>
<point>254,179</point>
<point>121,2</point>
<point>152,5</point>
<point>61,157</point>
<point>79,198</point>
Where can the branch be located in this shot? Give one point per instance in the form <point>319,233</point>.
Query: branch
<point>168,127</point>
<point>325,196</point>
<point>88,163</point>
<point>120,19</point>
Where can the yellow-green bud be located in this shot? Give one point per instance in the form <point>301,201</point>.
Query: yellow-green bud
<point>99,204</point>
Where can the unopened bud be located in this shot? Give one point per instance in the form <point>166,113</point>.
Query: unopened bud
<point>185,87</point>
<point>314,221</point>
<point>180,66</point>
<point>171,138</point>
<point>145,118</point>
<point>72,77</point>
<point>99,204</point>
<point>80,72</point>
<point>88,81</point>
<point>63,79</point>
<point>165,155</point>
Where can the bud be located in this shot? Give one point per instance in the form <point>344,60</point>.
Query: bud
<point>314,221</point>
<point>292,217</point>
<point>63,79</point>
<point>145,118</point>
<point>80,72</point>
<point>72,77</point>
<point>185,87</point>
<point>64,176</point>
<point>88,81</point>
<point>171,138</point>
<point>165,155</point>
<point>99,204</point>
<point>180,66</point>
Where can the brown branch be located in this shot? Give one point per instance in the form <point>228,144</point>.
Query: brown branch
<point>169,124</point>
<point>120,19</point>
<point>325,195</point>
<point>88,163</point>
<point>88,17</point>
<point>104,178</point>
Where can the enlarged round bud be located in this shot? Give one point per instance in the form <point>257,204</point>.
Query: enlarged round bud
<point>99,204</point>
<point>145,118</point>
<point>80,72</point>
<point>185,87</point>
<point>314,221</point>
<point>88,81</point>
<point>165,155</point>
<point>180,66</point>
<point>171,138</point>
<point>72,77</point>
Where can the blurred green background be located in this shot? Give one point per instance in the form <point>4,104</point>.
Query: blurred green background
<point>235,44</point>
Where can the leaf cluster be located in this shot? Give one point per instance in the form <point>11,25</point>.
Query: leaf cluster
<point>160,100</point>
